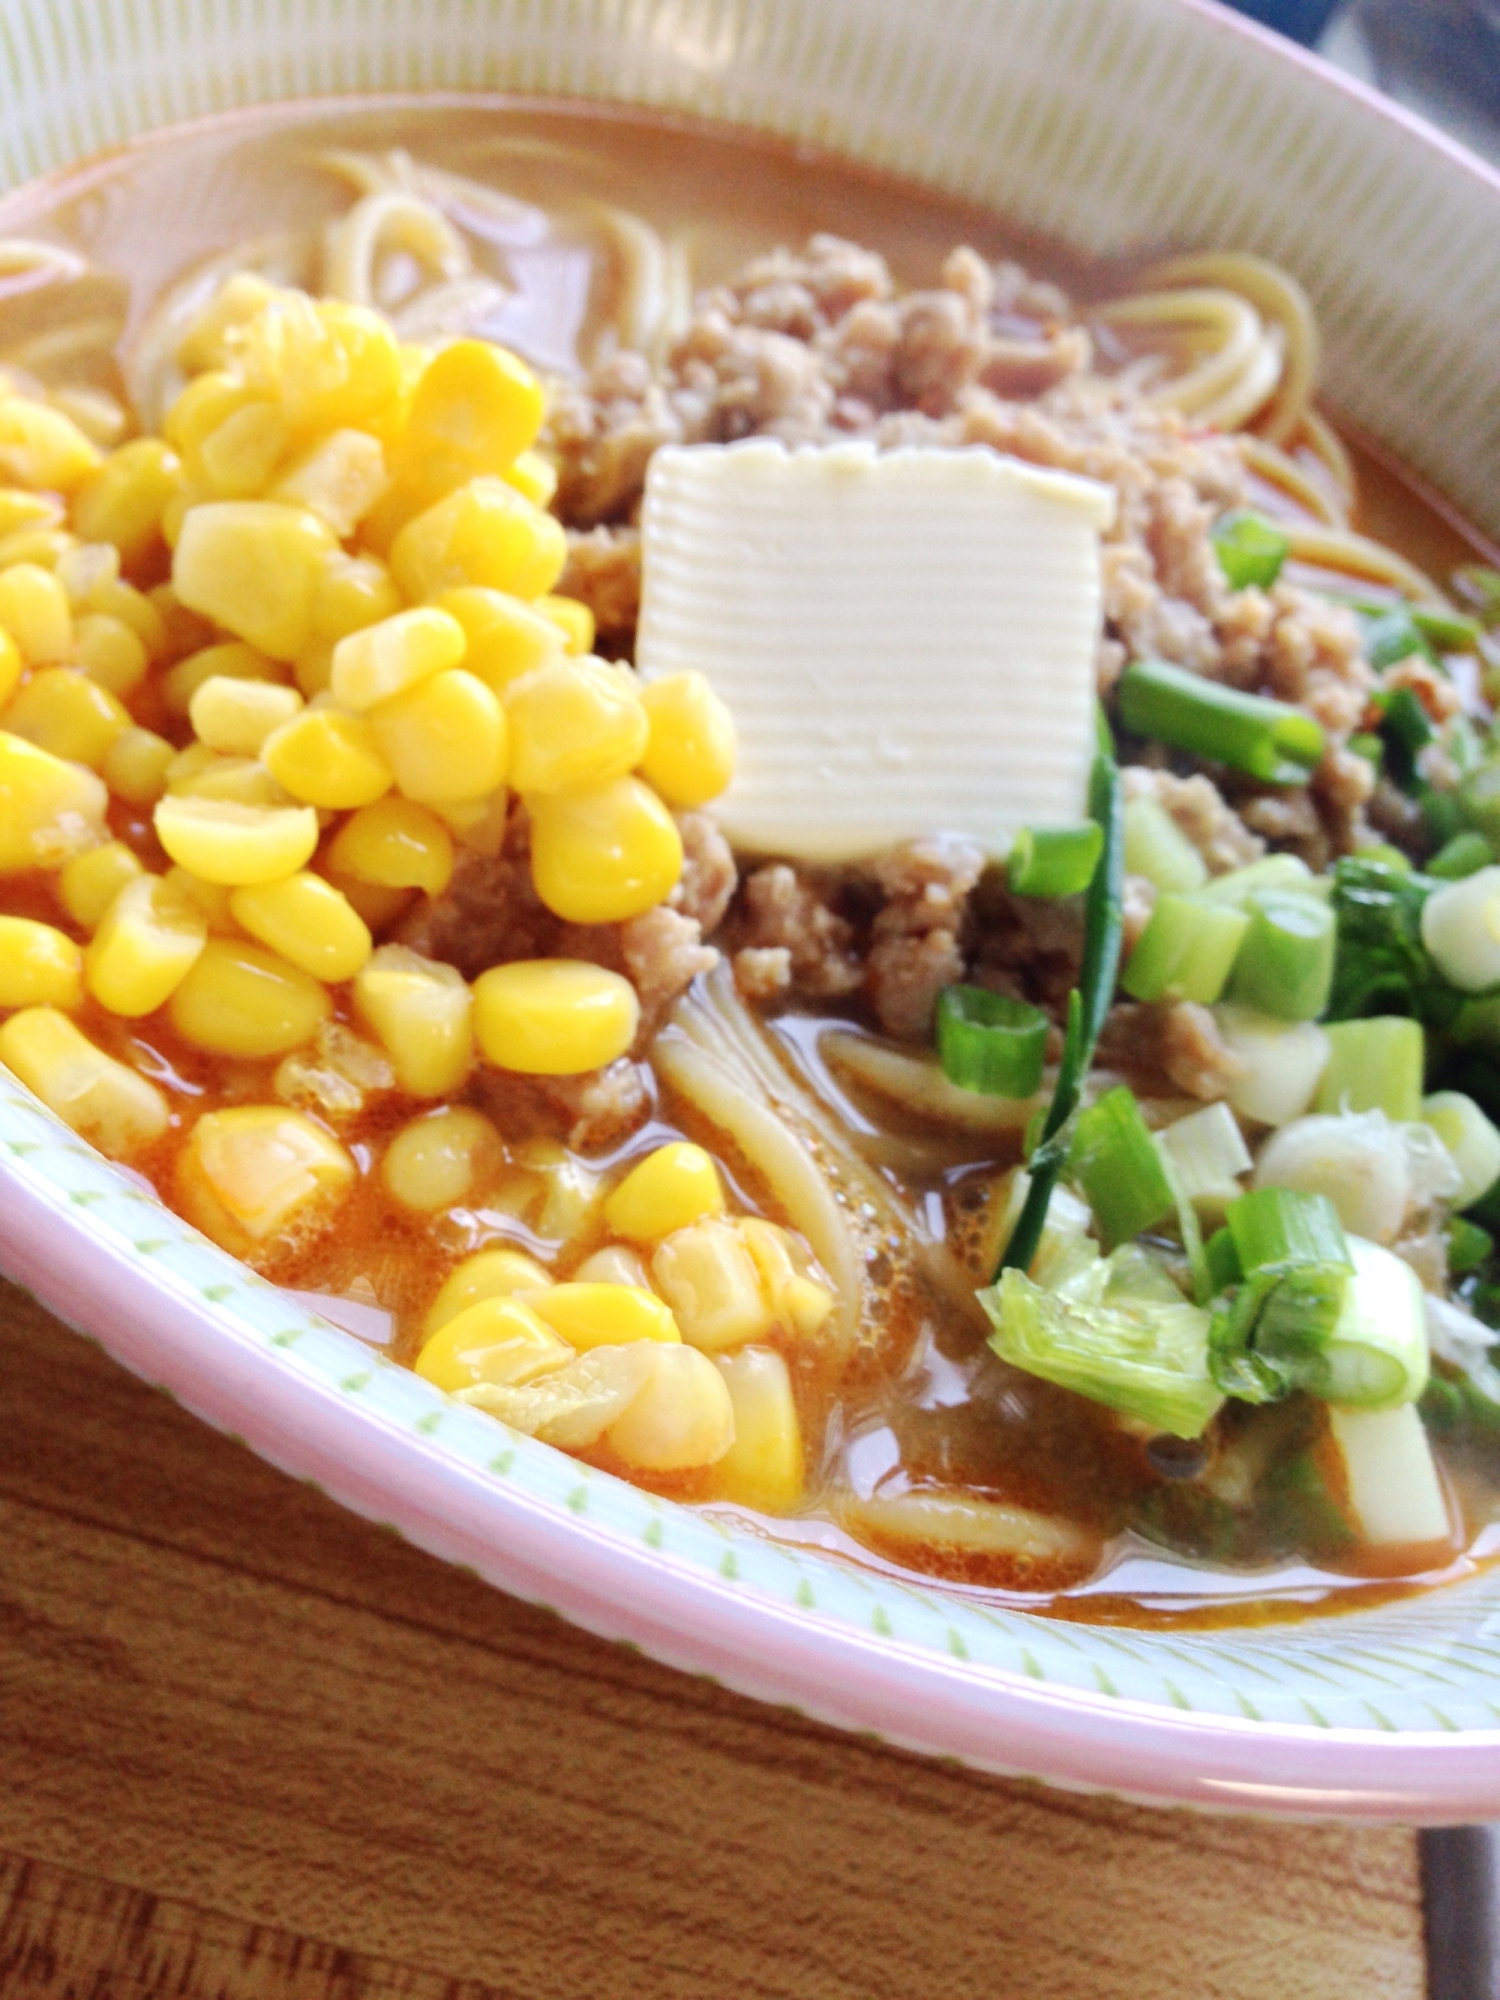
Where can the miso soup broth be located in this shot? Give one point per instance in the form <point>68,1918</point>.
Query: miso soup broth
<point>364,883</point>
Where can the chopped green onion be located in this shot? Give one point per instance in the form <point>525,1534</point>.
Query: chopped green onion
<point>1465,854</point>
<point>1142,1356</point>
<point>1115,1165</point>
<point>1157,847</point>
<point>1449,631</point>
<point>1385,855</point>
<point>1368,746</point>
<point>1461,930</point>
<point>990,1043</point>
<point>1479,800</point>
<point>1382,966</point>
<point>1279,1063</point>
<point>1104,736</point>
<point>1378,1356</point>
<point>1088,1005</point>
<point>1393,635</point>
<point>1443,812</point>
<point>1272,871</point>
<point>1285,964</point>
<point>1223,1260</point>
<point>1054,860</point>
<point>1251,549</point>
<point>1207,1154</point>
<point>1186,951</point>
<point>1393,1490</point>
<point>1270,740</point>
<point>1472,1141</point>
<point>1468,1245</point>
<point>1405,730</point>
<point>1275,1227</point>
<point>1375,1065</point>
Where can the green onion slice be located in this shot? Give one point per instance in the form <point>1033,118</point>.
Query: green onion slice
<point>1465,854</point>
<point>1404,730</point>
<point>1448,631</point>
<point>1055,860</point>
<point>1269,740</point>
<point>1117,1168</point>
<point>990,1043</point>
<point>1250,549</point>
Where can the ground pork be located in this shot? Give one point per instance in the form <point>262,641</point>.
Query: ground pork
<point>915,946</point>
<point>1197,808</point>
<point>1173,1043</point>
<point>781,910</point>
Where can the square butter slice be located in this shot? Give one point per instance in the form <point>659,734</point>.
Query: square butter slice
<point>906,639</point>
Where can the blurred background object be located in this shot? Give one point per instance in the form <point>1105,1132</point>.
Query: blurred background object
<point>1437,57</point>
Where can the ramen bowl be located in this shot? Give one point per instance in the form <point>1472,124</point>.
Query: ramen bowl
<point>1113,126</point>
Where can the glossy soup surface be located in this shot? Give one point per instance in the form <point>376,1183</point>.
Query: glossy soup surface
<point>927,1399</point>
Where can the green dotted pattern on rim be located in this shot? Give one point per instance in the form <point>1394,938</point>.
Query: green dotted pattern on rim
<point>1436,1667</point>
<point>1118,127</point>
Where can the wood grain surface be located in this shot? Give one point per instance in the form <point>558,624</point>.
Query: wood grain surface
<point>250,1745</point>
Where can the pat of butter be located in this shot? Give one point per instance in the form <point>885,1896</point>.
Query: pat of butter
<point>905,639</point>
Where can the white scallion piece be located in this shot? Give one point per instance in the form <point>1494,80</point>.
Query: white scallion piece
<point>1283,1063</point>
<point>1395,1495</point>
<point>1207,1154</point>
<point>1461,930</point>
<point>1472,1141</point>
<point>1359,1161</point>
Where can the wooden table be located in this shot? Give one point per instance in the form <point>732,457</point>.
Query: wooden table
<point>250,1745</point>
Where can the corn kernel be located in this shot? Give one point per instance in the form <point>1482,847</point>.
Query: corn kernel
<point>534,476</point>
<point>506,637</point>
<point>682,1416</point>
<point>798,1303</point>
<point>477,403</point>
<point>34,609</point>
<point>202,406</point>
<point>372,665</point>
<point>135,766</point>
<point>237,458</point>
<point>49,809</point>
<point>109,652</point>
<point>328,759</point>
<point>226,842</point>
<point>331,365</point>
<point>238,299</point>
<point>573,619</point>
<point>605,853</point>
<point>554,1016</point>
<point>497,1339</point>
<point>576,722</point>
<point>615,1264</point>
<point>422,1013</point>
<point>241,1001</point>
<point>43,449</point>
<point>201,773</point>
<point>247,1172</point>
<point>706,1275</point>
<point>210,899</point>
<point>84,568</point>
<point>123,501</point>
<point>231,660</point>
<point>763,1467</point>
<point>394,844</point>
<point>143,948</point>
<point>67,713</point>
<point>377,907</point>
<point>484,533</point>
<point>236,716</point>
<point>131,608</point>
<point>445,738</point>
<point>339,479</point>
<point>603,1315</point>
<point>253,566</point>
<point>489,1274</point>
<point>10,665</point>
<point>675,1185</point>
<point>20,509</point>
<point>439,1160</point>
<point>308,922</point>
<point>114,1108</point>
<point>40,966</point>
<point>89,883</point>
<point>313,670</point>
<point>353,592</point>
<point>42,548</point>
<point>690,755</point>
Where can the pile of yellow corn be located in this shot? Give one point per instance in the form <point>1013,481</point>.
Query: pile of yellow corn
<point>356,655</point>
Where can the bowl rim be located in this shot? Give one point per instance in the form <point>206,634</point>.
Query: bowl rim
<point>986,1716</point>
